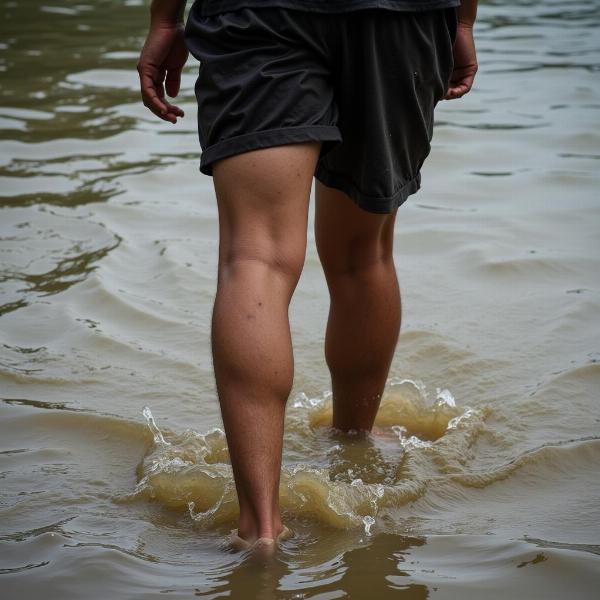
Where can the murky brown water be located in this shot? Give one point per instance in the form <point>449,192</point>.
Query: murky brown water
<point>114,478</point>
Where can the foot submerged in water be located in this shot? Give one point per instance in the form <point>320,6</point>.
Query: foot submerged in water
<point>263,545</point>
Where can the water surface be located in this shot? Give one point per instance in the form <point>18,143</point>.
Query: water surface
<point>114,473</point>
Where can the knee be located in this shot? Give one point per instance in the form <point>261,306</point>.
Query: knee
<point>283,260</point>
<point>358,257</point>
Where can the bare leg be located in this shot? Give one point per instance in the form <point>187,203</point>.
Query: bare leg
<point>263,199</point>
<point>355,249</point>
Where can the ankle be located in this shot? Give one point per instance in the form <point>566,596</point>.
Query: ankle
<point>251,529</point>
<point>356,411</point>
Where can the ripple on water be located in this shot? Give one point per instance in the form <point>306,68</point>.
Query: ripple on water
<point>46,252</point>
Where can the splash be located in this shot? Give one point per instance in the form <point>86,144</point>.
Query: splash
<point>340,480</point>
<point>405,404</point>
<point>158,436</point>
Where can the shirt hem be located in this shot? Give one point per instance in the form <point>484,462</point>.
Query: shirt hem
<point>208,9</point>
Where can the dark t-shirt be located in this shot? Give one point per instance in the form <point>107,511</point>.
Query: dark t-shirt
<point>214,7</point>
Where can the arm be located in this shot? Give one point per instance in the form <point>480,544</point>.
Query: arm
<point>167,11</point>
<point>162,58</point>
<point>465,57</point>
<point>467,13</point>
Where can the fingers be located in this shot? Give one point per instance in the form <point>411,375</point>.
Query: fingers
<point>160,90</point>
<point>457,91</point>
<point>459,86</point>
<point>153,93</point>
<point>150,95</point>
<point>173,82</point>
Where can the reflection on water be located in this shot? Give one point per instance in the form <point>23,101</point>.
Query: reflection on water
<point>480,478</point>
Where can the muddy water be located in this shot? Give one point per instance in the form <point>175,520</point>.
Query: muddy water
<point>483,480</point>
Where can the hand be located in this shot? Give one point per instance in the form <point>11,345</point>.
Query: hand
<point>164,54</point>
<point>465,63</point>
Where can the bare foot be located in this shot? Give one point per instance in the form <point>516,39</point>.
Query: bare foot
<point>264,546</point>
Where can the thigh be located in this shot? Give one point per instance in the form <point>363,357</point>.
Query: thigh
<point>263,198</point>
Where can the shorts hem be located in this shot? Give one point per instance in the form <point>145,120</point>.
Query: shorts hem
<point>373,204</point>
<point>255,140</point>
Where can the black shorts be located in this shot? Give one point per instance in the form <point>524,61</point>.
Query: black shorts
<point>364,83</point>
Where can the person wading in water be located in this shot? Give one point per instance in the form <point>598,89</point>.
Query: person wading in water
<point>288,90</point>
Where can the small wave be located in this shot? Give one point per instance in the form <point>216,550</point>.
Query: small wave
<point>529,267</point>
<point>560,456</point>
